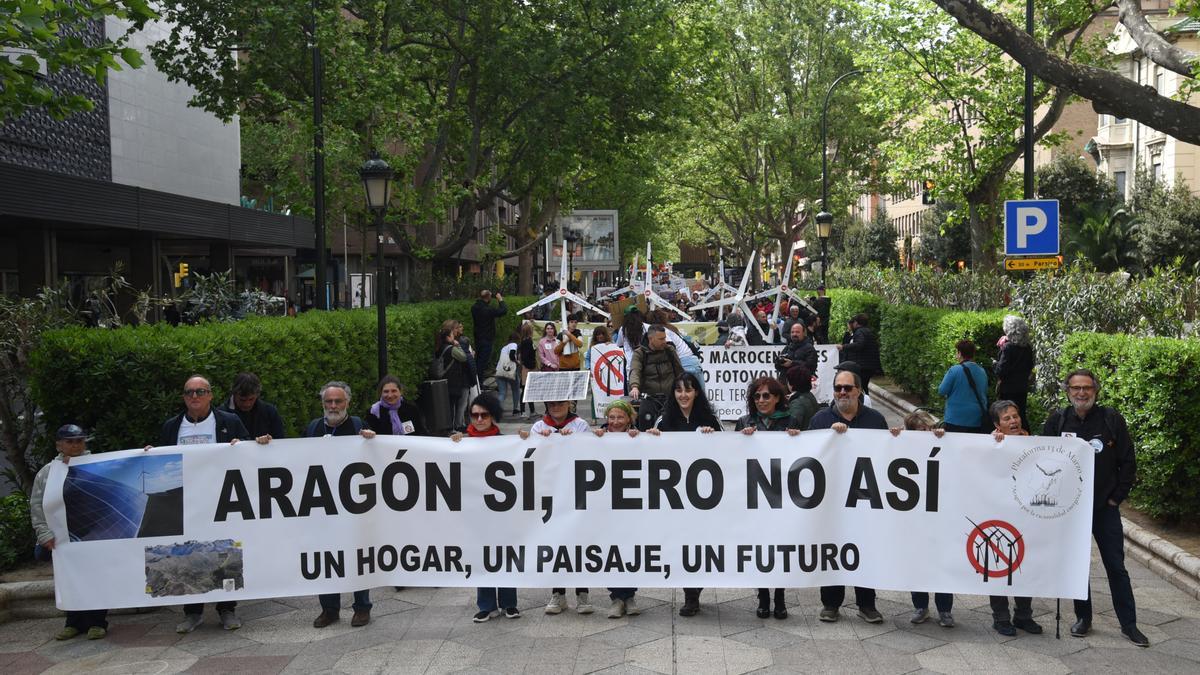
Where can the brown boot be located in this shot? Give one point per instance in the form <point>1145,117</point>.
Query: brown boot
<point>361,618</point>
<point>325,618</point>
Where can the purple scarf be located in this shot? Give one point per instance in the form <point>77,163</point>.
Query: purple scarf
<point>397,425</point>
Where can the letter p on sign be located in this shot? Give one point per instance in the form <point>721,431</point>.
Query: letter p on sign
<point>1031,227</point>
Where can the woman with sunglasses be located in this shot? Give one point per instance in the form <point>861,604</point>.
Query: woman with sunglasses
<point>766,408</point>
<point>687,409</point>
<point>485,414</point>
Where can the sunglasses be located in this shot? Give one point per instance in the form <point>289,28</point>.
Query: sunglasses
<point>480,416</point>
<point>197,392</point>
<point>763,396</point>
<point>843,387</point>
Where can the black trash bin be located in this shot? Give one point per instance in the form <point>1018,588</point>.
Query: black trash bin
<point>434,404</point>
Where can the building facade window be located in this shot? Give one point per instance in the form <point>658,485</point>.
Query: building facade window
<point>1119,179</point>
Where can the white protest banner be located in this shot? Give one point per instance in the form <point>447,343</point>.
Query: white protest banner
<point>608,375</point>
<point>729,370</point>
<point>960,514</point>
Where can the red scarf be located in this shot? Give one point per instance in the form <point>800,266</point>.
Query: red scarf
<point>475,433</point>
<point>549,421</point>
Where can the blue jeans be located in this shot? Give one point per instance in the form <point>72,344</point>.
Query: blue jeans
<point>503,386</point>
<point>332,602</point>
<point>491,599</point>
<point>943,601</point>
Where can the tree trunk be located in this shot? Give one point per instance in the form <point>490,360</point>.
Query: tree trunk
<point>525,272</point>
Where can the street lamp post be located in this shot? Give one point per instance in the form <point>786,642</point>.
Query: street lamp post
<point>825,218</point>
<point>570,236</point>
<point>377,183</point>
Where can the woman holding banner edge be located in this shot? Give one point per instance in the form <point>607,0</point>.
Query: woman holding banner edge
<point>687,410</point>
<point>767,411</point>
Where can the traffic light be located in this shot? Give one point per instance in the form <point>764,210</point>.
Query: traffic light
<point>183,272</point>
<point>927,187</point>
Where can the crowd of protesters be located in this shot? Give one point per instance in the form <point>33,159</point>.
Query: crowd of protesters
<point>782,402</point>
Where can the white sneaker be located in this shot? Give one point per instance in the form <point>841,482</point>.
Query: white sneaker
<point>582,606</point>
<point>617,609</point>
<point>631,607</point>
<point>557,604</point>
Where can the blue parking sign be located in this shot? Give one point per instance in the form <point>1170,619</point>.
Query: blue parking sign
<point>1031,227</point>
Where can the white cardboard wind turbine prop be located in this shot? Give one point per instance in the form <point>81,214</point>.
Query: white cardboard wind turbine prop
<point>779,291</point>
<point>721,289</point>
<point>739,296</point>
<point>631,288</point>
<point>654,299</point>
<point>563,294</point>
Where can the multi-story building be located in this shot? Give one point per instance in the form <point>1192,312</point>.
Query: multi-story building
<point>143,180</point>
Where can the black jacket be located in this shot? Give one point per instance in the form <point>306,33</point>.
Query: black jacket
<point>1116,463</point>
<point>867,418</point>
<point>350,427</point>
<point>1012,369</point>
<point>863,349</point>
<point>766,424</point>
<point>383,424</point>
<point>797,352</point>
<point>262,419</point>
<point>229,427</point>
<point>484,316</point>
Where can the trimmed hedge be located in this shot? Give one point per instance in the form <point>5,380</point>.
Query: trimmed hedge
<point>847,303</point>
<point>16,533</point>
<point>124,383</point>
<point>1152,382</point>
<point>918,347</point>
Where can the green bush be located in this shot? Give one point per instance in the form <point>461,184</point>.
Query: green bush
<point>845,304</point>
<point>124,383</point>
<point>1151,382</point>
<point>919,344</point>
<point>16,533</point>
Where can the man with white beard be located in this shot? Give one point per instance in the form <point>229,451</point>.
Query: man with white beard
<point>335,398</point>
<point>848,413</point>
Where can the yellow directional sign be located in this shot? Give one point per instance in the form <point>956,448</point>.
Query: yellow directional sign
<point>1047,263</point>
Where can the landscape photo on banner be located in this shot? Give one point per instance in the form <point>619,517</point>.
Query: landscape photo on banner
<point>327,515</point>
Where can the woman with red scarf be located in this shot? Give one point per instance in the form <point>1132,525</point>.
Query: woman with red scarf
<point>485,415</point>
<point>560,419</point>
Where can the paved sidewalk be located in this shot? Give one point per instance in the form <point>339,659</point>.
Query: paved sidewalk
<point>429,630</point>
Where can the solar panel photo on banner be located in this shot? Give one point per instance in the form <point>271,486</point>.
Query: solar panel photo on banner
<point>559,385</point>
<point>125,498</point>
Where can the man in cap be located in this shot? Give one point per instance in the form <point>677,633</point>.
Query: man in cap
<point>71,441</point>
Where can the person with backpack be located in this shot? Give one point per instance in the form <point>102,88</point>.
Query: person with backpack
<point>508,370</point>
<point>335,399</point>
<point>449,362</point>
<point>1115,469</point>
<point>653,371</point>
<point>965,388</point>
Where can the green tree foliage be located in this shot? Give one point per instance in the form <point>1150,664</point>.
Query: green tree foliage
<point>1169,224</point>
<point>945,238</point>
<point>748,163</point>
<point>16,532</point>
<point>1104,237</point>
<point>43,37</point>
<point>475,102</point>
<point>953,102</point>
<point>1077,186</point>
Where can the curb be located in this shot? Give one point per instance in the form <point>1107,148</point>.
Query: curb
<point>890,399</point>
<point>1163,558</point>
